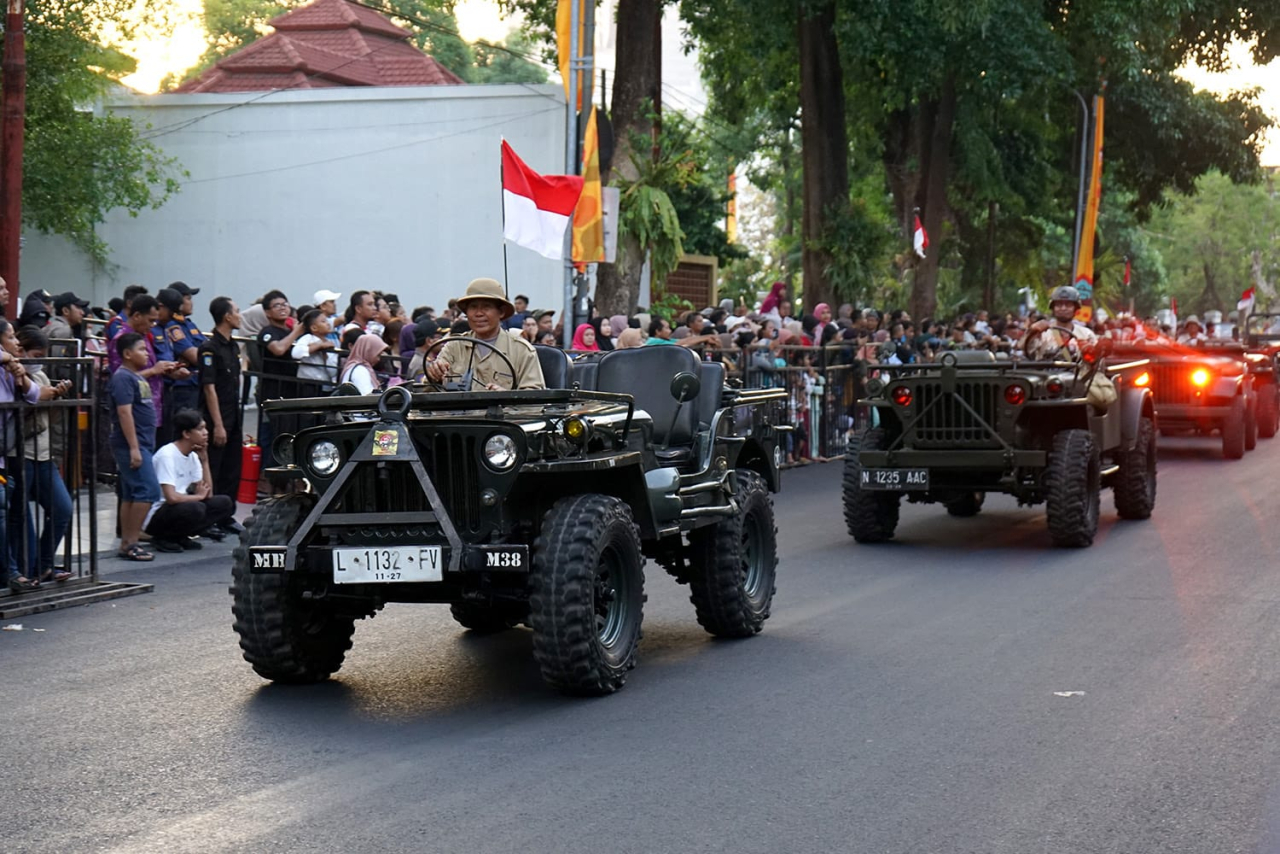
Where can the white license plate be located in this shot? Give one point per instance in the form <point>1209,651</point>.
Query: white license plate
<point>387,565</point>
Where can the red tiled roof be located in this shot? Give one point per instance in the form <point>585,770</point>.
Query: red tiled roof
<point>325,44</point>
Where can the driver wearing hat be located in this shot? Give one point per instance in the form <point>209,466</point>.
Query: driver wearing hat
<point>486,306</point>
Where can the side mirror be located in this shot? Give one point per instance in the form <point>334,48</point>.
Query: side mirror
<point>685,386</point>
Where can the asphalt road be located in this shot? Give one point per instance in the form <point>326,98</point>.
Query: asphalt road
<point>901,699</point>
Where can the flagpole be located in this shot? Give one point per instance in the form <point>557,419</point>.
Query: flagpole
<point>502,182</point>
<point>570,162</point>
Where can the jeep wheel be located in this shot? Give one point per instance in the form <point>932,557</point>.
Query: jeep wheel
<point>966,505</point>
<point>285,637</point>
<point>587,594</point>
<point>1134,488</point>
<point>484,619</point>
<point>870,516</point>
<point>1073,483</point>
<point>1251,427</point>
<point>1233,430</point>
<point>736,561</point>
<point>1268,411</point>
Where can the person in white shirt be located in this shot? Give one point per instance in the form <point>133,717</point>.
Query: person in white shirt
<point>188,507</point>
<point>314,353</point>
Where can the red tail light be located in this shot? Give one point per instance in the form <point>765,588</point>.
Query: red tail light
<point>1015,395</point>
<point>902,395</point>
<point>1054,387</point>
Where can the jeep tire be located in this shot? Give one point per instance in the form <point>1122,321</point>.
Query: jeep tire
<point>1134,487</point>
<point>871,516</point>
<point>1251,426</point>
<point>587,594</point>
<point>735,564</point>
<point>285,637</point>
<point>1073,484</point>
<point>1268,410</point>
<point>1233,430</point>
<point>966,505</point>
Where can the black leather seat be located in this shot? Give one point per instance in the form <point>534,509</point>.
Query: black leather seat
<point>584,373</point>
<point>556,366</point>
<point>645,373</point>
<point>708,402</point>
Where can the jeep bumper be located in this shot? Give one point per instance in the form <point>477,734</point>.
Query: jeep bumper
<point>320,559</point>
<point>996,460</point>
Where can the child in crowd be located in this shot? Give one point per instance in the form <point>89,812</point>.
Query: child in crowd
<point>133,438</point>
<point>188,505</point>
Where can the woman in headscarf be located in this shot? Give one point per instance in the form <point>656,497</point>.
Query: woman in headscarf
<point>630,337</point>
<point>584,339</point>
<point>361,368</point>
<point>617,323</point>
<point>604,333</point>
<point>770,304</point>
<point>824,331</point>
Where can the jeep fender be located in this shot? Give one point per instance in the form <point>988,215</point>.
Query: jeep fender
<point>1135,402</point>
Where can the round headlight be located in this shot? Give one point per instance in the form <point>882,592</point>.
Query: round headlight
<point>282,449</point>
<point>500,451</point>
<point>576,430</point>
<point>325,458</point>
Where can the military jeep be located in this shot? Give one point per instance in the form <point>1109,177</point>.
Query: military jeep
<point>1202,388</point>
<point>535,507</point>
<point>1262,342</point>
<point>953,431</point>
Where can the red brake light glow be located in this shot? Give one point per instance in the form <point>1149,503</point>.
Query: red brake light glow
<point>1015,395</point>
<point>902,395</point>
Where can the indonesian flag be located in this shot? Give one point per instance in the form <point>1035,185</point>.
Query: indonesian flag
<point>921,238</point>
<point>536,209</point>
<point>1246,301</point>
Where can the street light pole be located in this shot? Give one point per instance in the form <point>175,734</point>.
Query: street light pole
<point>13,108</point>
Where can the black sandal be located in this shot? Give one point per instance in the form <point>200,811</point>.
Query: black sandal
<point>138,553</point>
<point>22,584</point>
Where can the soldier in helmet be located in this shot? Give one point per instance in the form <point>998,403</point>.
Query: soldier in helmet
<point>1063,337</point>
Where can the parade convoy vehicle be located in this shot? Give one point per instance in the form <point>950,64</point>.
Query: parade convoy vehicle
<point>953,431</point>
<point>536,507</point>
<point>1202,388</point>
<point>1262,340</point>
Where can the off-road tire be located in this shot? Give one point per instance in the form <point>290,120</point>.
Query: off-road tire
<point>285,637</point>
<point>1268,411</point>
<point>1251,427</point>
<point>1134,487</point>
<point>483,619</point>
<point>870,516</point>
<point>969,504</point>
<point>586,560</point>
<point>1233,430</point>
<point>735,564</point>
<point>1073,486</point>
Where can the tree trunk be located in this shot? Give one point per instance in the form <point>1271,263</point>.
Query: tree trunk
<point>1209,298</point>
<point>618,284</point>
<point>824,144</point>
<point>932,195</point>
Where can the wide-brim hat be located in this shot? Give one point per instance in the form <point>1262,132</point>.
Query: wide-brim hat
<point>489,289</point>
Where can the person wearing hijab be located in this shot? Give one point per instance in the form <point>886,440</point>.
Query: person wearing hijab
<point>821,333</point>
<point>361,366</point>
<point>604,333</point>
<point>584,339</point>
<point>770,304</point>
<point>617,323</point>
<point>629,338</point>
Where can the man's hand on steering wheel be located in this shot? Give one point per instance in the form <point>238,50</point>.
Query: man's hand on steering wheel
<point>438,370</point>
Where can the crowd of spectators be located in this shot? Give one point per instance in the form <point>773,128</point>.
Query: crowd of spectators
<point>176,395</point>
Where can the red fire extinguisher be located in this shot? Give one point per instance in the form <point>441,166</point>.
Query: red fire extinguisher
<point>250,468</point>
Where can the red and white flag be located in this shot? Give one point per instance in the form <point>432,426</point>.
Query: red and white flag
<point>536,209</point>
<point>1246,301</point>
<point>921,238</point>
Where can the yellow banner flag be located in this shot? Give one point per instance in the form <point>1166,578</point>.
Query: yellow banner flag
<point>588,216</point>
<point>1083,279</point>
<point>564,22</point>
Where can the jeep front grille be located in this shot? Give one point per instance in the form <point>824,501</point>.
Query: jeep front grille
<point>1171,384</point>
<point>450,462</point>
<point>947,424</point>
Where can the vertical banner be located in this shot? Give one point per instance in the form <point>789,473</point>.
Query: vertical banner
<point>1083,278</point>
<point>731,213</point>
<point>564,22</point>
<point>588,216</point>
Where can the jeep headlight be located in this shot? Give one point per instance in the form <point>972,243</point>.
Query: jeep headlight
<point>324,458</point>
<point>576,429</point>
<point>500,451</point>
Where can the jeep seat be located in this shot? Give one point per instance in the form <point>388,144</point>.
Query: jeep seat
<point>708,402</point>
<point>645,373</point>
<point>584,373</point>
<point>556,366</point>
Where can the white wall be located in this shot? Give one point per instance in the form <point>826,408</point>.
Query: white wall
<point>395,189</point>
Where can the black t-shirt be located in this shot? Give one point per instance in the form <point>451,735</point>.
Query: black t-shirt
<point>219,361</point>
<point>280,366</point>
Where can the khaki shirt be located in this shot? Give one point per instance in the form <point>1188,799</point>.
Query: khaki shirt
<point>491,370</point>
<point>1050,345</point>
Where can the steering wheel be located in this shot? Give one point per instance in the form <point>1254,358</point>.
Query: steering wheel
<point>465,377</point>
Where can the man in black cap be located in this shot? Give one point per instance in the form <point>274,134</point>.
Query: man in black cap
<point>68,317</point>
<point>187,293</point>
<point>425,333</point>
<point>37,309</point>
<point>184,338</point>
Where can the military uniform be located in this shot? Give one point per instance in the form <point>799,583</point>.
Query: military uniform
<point>489,369</point>
<point>219,362</point>
<point>1052,345</point>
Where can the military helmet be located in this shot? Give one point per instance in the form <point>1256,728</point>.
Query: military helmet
<point>1064,293</point>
